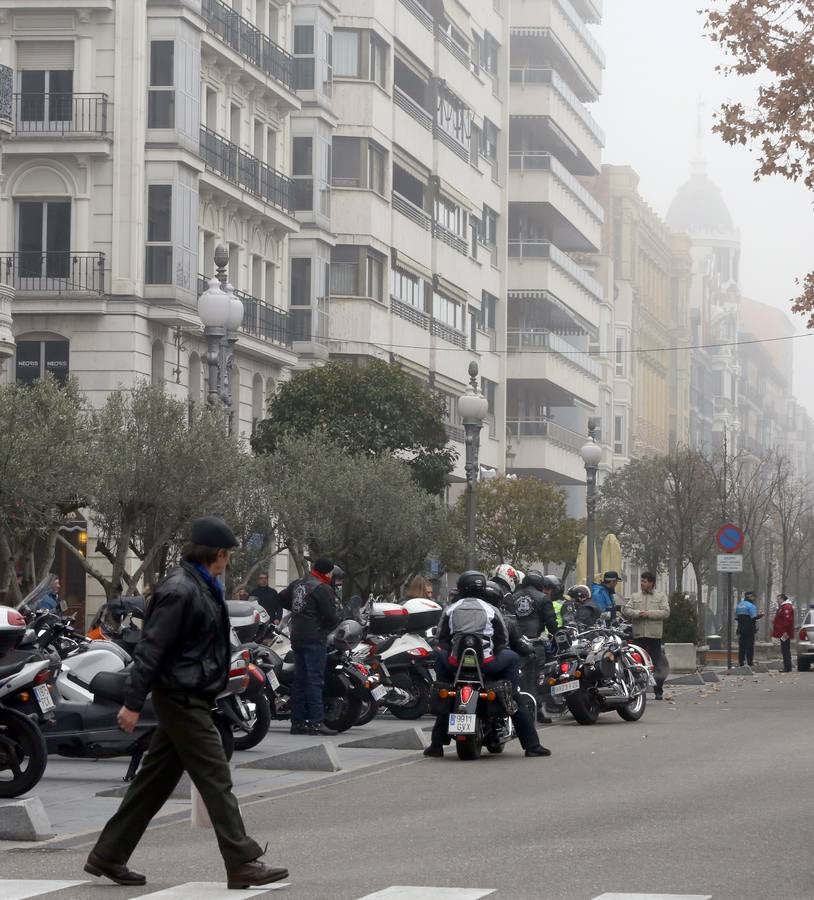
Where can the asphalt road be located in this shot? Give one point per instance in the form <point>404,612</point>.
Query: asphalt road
<point>707,795</point>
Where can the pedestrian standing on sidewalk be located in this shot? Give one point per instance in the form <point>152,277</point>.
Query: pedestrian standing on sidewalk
<point>647,610</point>
<point>183,658</point>
<point>313,606</point>
<point>783,628</point>
<point>747,615</point>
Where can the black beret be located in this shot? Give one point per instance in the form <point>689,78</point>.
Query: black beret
<point>211,531</point>
<point>323,565</point>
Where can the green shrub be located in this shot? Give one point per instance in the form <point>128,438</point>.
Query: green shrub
<point>682,625</point>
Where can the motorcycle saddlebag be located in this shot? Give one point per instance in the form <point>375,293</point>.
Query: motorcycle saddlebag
<point>505,696</point>
<point>438,705</point>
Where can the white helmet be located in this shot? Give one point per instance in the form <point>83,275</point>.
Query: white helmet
<point>507,576</point>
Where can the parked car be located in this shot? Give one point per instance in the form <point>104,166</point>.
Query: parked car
<point>805,643</point>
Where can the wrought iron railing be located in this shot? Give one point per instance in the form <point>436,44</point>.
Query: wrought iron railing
<point>60,113</point>
<point>260,319</point>
<point>447,333</point>
<point>545,341</point>
<point>410,313</point>
<point>246,171</point>
<point>450,238</point>
<point>404,101</point>
<point>53,271</point>
<point>455,49</point>
<point>449,141</point>
<point>6,88</point>
<point>254,46</point>
<point>411,211</point>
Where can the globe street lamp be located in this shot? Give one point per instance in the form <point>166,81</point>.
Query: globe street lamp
<point>591,454</point>
<point>473,408</point>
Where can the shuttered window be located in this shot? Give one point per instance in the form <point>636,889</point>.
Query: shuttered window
<point>45,55</point>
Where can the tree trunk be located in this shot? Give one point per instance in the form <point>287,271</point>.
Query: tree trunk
<point>88,566</point>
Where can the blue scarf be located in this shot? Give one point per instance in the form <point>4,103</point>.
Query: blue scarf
<point>213,583</point>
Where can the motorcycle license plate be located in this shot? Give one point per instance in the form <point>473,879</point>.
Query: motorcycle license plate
<point>462,724</point>
<point>378,692</point>
<point>273,680</point>
<point>565,688</point>
<point>43,695</point>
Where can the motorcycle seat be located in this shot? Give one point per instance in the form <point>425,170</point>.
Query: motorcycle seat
<point>387,643</point>
<point>109,685</point>
<point>10,669</point>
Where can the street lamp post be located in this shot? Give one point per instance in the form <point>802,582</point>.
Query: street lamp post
<point>473,408</point>
<point>591,454</point>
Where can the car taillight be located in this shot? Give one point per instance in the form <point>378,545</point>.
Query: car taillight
<point>803,634</point>
<point>564,667</point>
<point>419,651</point>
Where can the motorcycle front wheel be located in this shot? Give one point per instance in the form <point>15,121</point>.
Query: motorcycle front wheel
<point>583,706</point>
<point>259,723</point>
<point>370,709</point>
<point>633,711</point>
<point>420,691</point>
<point>23,755</point>
<point>341,712</point>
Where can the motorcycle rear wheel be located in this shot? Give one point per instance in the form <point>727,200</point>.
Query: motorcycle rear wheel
<point>633,711</point>
<point>21,744</point>
<point>470,747</point>
<point>418,688</point>
<point>260,723</point>
<point>583,706</point>
<point>342,712</point>
<point>370,709</point>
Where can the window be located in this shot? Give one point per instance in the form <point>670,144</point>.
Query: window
<point>488,311</point>
<point>378,60</point>
<point>620,355</point>
<point>157,368</point>
<point>32,358</point>
<point>161,102</point>
<point>302,168</point>
<point>46,96</point>
<point>159,234</point>
<point>345,270</point>
<point>375,277</point>
<point>450,216</point>
<point>301,281</point>
<point>489,229</point>
<point>44,239</point>
<point>454,118</point>
<point>407,288</point>
<point>235,116</point>
<point>619,435</point>
<point>358,163</point>
<point>304,57</point>
<point>448,311</point>
<point>346,53</point>
<point>375,168</point>
<point>488,141</point>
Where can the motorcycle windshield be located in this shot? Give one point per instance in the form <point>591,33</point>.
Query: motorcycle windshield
<point>29,603</point>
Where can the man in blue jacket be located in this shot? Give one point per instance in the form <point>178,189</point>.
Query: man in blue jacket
<point>747,615</point>
<point>603,594</point>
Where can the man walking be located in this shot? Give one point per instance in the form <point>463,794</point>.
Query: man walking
<point>747,616</point>
<point>183,658</point>
<point>269,598</point>
<point>312,602</point>
<point>783,628</point>
<point>647,610</point>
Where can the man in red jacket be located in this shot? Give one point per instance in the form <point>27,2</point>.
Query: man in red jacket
<point>783,628</point>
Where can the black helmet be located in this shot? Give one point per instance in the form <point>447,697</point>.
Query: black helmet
<point>579,592</point>
<point>471,584</point>
<point>492,593</point>
<point>346,635</point>
<point>534,578</point>
<point>554,584</point>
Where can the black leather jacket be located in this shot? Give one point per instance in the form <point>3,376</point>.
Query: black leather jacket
<point>313,610</point>
<point>185,644</point>
<point>534,612</point>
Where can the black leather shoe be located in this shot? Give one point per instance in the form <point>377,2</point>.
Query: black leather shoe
<point>658,696</point>
<point>542,718</point>
<point>434,751</point>
<point>322,729</point>
<point>116,872</point>
<point>299,728</point>
<point>539,750</point>
<point>253,874</point>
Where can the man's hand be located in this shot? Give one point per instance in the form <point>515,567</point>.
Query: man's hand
<point>784,637</point>
<point>127,719</point>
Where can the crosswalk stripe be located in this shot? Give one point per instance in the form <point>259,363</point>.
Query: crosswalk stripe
<point>210,890</point>
<point>654,897</point>
<point>406,892</point>
<point>23,889</point>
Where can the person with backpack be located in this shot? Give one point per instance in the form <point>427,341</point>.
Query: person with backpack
<point>312,601</point>
<point>472,613</point>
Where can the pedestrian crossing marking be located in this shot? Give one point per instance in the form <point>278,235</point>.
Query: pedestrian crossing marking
<point>654,897</point>
<point>206,890</point>
<point>23,889</point>
<point>406,892</point>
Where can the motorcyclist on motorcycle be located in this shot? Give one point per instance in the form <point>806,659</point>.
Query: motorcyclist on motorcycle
<point>500,659</point>
<point>582,608</point>
<point>506,577</point>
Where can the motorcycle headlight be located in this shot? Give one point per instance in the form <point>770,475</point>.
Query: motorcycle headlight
<point>596,644</point>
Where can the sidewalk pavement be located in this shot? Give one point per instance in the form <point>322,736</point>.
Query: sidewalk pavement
<point>70,787</point>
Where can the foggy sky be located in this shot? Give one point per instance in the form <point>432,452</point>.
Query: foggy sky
<point>659,65</point>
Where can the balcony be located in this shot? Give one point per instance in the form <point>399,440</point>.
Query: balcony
<point>568,373</point>
<point>449,238</point>
<point>571,215</point>
<point>546,115</point>
<point>245,171</point>
<point>260,319</point>
<point>410,313</point>
<point>547,449</point>
<point>447,333</point>
<point>60,272</point>
<point>59,123</point>
<point>413,109</point>
<point>249,42</point>
<point>562,262</point>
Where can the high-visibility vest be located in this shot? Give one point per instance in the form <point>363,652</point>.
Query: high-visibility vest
<point>558,612</point>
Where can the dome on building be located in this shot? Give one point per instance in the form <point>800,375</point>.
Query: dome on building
<point>698,207</point>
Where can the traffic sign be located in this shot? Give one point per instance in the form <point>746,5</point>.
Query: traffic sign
<point>730,562</point>
<point>729,538</point>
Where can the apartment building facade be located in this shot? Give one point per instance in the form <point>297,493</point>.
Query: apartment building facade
<point>556,304</point>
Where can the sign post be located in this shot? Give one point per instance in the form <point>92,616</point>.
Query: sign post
<point>730,540</point>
